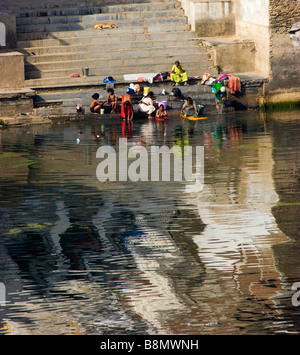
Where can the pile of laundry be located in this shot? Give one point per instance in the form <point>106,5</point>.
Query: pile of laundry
<point>147,77</point>
<point>233,82</point>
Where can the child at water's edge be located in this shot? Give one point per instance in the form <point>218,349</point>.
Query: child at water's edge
<point>96,105</point>
<point>161,112</point>
<point>112,99</point>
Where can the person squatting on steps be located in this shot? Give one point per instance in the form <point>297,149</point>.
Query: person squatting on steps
<point>189,108</point>
<point>146,104</point>
<point>96,105</point>
<point>112,99</point>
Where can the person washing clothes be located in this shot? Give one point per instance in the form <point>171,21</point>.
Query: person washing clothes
<point>178,74</point>
<point>219,91</point>
<point>189,108</point>
<point>146,104</point>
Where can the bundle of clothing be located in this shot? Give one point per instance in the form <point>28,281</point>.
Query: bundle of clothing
<point>234,82</point>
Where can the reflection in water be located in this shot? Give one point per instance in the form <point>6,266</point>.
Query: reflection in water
<point>83,257</point>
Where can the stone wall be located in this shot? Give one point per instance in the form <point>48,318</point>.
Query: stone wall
<point>252,23</point>
<point>284,52</point>
<point>210,17</point>
<point>11,70</point>
<point>283,13</point>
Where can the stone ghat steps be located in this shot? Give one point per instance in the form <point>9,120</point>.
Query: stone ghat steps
<point>101,17</point>
<point>125,33</point>
<point>80,26</point>
<point>66,81</point>
<point>95,46</point>
<point>113,68</point>
<point>26,8</point>
<point>72,9</point>
<point>111,58</point>
<point>96,74</point>
<point>109,39</point>
<point>96,14</point>
<point>120,89</point>
<point>61,77</point>
<point>63,101</point>
<point>84,7</point>
<point>58,39</point>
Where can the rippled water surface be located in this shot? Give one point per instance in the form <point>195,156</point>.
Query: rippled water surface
<point>80,256</point>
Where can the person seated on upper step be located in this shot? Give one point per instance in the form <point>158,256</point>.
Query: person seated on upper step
<point>96,105</point>
<point>178,74</point>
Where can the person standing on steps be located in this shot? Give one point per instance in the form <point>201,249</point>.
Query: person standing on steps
<point>178,74</point>
<point>112,99</point>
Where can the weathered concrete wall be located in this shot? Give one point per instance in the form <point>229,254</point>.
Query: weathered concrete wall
<point>210,17</point>
<point>252,23</point>
<point>232,55</point>
<point>284,53</point>
<point>9,107</point>
<point>11,70</point>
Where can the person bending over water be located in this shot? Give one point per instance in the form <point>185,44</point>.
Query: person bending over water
<point>189,108</point>
<point>127,107</point>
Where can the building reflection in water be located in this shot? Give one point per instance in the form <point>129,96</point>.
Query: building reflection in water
<point>177,260</point>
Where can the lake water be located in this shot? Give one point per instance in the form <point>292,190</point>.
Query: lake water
<point>80,256</point>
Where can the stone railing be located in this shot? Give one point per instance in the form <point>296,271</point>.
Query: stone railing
<point>210,17</point>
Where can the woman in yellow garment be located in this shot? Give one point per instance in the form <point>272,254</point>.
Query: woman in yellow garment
<point>178,74</point>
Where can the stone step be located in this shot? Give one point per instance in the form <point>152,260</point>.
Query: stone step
<point>97,74</point>
<point>120,89</point>
<point>126,31</point>
<point>33,5</point>
<point>112,57</point>
<point>42,8</point>
<point>127,65</point>
<point>77,26</point>
<point>60,80</point>
<point>206,99</point>
<point>98,18</point>
<point>102,38</point>
<point>70,98</point>
<point>68,10</point>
